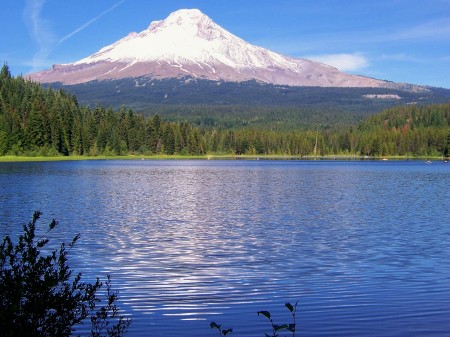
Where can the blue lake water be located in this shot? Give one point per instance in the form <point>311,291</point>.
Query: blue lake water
<point>364,246</point>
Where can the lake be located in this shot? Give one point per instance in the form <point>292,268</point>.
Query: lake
<point>363,246</point>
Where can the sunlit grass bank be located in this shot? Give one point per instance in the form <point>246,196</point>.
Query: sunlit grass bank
<point>73,158</point>
<point>10,158</point>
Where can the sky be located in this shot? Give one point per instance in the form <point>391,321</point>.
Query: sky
<point>396,40</point>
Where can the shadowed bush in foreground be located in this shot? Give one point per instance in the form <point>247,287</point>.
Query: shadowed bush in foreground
<point>40,297</point>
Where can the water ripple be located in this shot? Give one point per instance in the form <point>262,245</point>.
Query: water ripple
<point>362,245</point>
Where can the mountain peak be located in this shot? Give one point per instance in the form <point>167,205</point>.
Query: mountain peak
<point>189,43</point>
<point>183,23</point>
<point>189,15</point>
<point>180,18</point>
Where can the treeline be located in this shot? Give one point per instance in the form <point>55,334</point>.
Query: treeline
<point>275,118</point>
<point>407,130</point>
<point>39,121</point>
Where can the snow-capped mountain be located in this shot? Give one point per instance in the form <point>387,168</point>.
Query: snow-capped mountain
<point>189,43</point>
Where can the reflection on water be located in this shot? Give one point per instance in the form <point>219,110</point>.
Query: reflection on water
<point>362,245</point>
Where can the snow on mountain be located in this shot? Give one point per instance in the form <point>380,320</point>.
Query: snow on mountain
<point>189,37</point>
<point>189,43</point>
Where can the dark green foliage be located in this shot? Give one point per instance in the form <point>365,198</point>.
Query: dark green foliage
<point>222,332</point>
<point>415,130</point>
<point>141,93</point>
<point>37,121</point>
<point>274,118</point>
<point>40,295</point>
<point>276,329</point>
<point>447,146</point>
<point>251,104</point>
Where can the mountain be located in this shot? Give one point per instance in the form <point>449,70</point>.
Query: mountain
<point>189,43</point>
<point>142,94</point>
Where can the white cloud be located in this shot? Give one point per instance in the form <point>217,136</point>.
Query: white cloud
<point>344,62</point>
<point>40,32</point>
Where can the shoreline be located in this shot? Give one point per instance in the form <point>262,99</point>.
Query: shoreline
<point>12,159</point>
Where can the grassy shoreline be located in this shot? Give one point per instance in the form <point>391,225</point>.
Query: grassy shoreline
<point>75,158</point>
<point>7,159</point>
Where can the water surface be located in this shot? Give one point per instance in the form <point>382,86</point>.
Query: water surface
<point>362,245</point>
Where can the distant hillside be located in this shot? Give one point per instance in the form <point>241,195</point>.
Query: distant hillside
<point>416,130</point>
<point>248,104</point>
<point>38,121</point>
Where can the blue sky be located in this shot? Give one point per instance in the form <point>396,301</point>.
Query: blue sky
<point>397,40</point>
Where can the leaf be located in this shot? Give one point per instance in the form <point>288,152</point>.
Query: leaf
<point>264,313</point>
<point>280,327</point>
<point>36,216</point>
<point>41,243</point>
<point>53,224</point>
<point>75,239</point>
<point>291,327</point>
<point>227,331</point>
<point>214,325</point>
<point>289,306</point>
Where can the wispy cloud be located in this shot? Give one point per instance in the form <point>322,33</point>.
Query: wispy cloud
<point>400,58</point>
<point>42,34</point>
<point>87,24</point>
<point>344,62</point>
<point>373,38</point>
<point>40,31</point>
<point>437,29</point>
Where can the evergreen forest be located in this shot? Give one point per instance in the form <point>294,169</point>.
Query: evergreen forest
<point>38,121</point>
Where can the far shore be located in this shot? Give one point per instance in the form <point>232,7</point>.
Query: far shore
<point>6,159</point>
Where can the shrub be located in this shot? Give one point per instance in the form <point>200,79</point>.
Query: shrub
<point>291,327</point>
<point>39,295</point>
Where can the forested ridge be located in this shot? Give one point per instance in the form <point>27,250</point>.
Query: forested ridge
<point>43,121</point>
<point>248,104</point>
